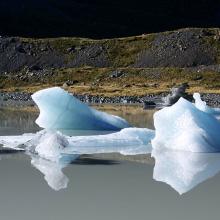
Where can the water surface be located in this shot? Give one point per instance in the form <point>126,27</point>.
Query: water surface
<point>100,186</point>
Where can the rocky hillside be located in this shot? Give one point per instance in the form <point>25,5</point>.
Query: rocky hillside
<point>182,48</point>
<point>151,63</point>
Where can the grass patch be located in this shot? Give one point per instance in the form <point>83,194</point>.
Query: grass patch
<point>133,81</point>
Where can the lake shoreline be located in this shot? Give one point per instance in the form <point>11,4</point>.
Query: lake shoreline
<point>23,99</point>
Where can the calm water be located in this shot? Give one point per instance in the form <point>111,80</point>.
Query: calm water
<point>99,186</point>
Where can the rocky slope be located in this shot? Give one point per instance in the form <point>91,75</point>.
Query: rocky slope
<point>131,66</point>
<point>182,48</point>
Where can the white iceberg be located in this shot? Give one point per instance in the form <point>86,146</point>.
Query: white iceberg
<point>61,110</point>
<point>49,145</point>
<point>184,170</point>
<point>185,127</point>
<point>15,142</point>
<point>52,145</point>
<point>128,141</point>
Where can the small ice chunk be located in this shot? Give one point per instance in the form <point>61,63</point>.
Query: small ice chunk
<point>184,170</point>
<point>61,110</point>
<point>47,144</point>
<point>50,145</point>
<point>184,127</point>
<point>201,105</point>
<point>15,142</point>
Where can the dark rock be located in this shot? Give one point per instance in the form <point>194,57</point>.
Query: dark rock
<point>149,104</point>
<point>116,74</point>
<point>126,86</point>
<point>20,49</point>
<point>197,78</point>
<point>70,83</point>
<point>176,93</point>
<point>70,49</point>
<point>35,68</point>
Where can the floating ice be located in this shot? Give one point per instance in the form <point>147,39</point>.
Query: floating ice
<point>128,141</point>
<point>52,145</point>
<point>201,105</point>
<point>184,127</point>
<point>15,142</point>
<point>184,170</point>
<point>61,110</point>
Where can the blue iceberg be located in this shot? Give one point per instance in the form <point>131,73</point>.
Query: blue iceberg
<point>61,110</point>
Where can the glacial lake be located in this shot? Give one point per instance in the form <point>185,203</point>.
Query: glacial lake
<point>105,186</point>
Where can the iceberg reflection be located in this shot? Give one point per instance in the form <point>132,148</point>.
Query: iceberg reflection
<point>184,170</point>
<point>52,171</point>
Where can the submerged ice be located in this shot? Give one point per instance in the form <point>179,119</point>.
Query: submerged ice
<point>61,110</point>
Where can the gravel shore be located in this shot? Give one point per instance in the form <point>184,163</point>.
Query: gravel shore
<point>22,99</point>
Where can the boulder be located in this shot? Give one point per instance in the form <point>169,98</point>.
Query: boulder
<point>177,93</point>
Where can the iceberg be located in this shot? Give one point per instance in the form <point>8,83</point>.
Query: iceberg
<point>128,141</point>
<point>49,145</point>
<point>53,145</point>
<point>16,142</point>
<point>184,170</point>
<point>61,110</point>
<point>185,127</point>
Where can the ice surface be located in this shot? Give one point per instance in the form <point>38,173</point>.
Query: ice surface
<point>15,141</point>
<point>184,127</point>
<point>52,145</point>
<point>61,110</point>
<point>184,170</point>
<point>128,141</point>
